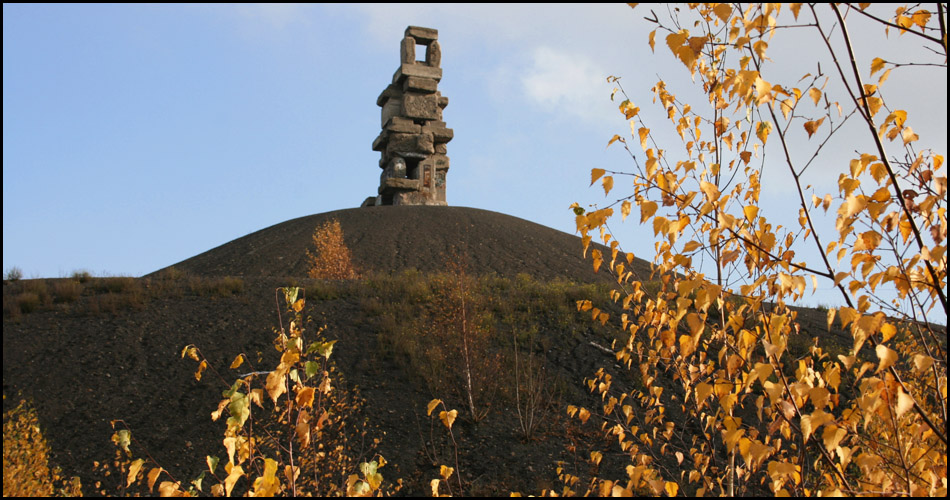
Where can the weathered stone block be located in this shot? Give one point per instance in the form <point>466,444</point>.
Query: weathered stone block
<point>441,162</point>
<point>441,148</point>
<point>403,144</point>
<point>393,107</point>
<point>387,93</point>
<point>443,102</point>
<point>424,35</point>
<point>379,144</point>
<point>420,70</point>
<point>421,106</point>
<point>439,134</point>
<point>402,125</point>
<point>394,184</point>
<point>407,50</point>
<point>416,84</point>
<point>434,54</point>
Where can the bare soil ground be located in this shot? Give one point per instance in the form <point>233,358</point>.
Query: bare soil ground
<point>87,362</point>
<point>116,355</point>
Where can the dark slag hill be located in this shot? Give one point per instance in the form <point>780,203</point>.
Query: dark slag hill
<point>392,238</point>
<point>83,369</point>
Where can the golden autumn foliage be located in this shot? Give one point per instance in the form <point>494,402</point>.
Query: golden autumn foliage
<point>288,431</point>
<point>726,406</point>
<point>332,259</point>
<point>26,469</point>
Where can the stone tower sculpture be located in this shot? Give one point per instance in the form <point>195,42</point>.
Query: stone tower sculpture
<point>414,137</point>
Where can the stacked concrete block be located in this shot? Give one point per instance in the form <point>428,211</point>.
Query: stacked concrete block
<point>413,141</point>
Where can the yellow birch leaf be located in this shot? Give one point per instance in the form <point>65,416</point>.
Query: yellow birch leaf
<point>448,417</point>
<point>731,437</point>
<point>671,487</point>
<point>710,190</point>
<point>647,209</point>
<point>643,132</point>
<point>760,47</point>
<point>201,368</point>
<point>596,173</point>
<point>864,328</point>
<point>168,489</point>
<point>608,184</point>
<point>298,305</point>
<point>922,362</point>
<point>134,469</point>
<point>723,11</point>
<point>796,7</point>
<point>763,91</point>
<point>831,316</point>
<point>629,111</point>
<point>191,351</point>
<point>598,259</point>
<point>446,472</point>
<point>847,314</point>
<point>886,355</point>
<point>660,225</point>
<point>877,64</point>
<point>625,209</point>
<point>703,390</point>
<point>815,95</point>
<point>908,135</point>
<point>275,384</point>
<point>921,18</point>
<point>230,444</point>
<point>762,131</point>
<point>833,435</point>
<point>884,76</point>
<point>267,485</point>
<point>234,474</point>
<point>238,361</point>
<point>690,246</point>
<point>905,229</point>
<point>305,397</point>
<point>904,402</point>
<point>812,126</point>
<point>434,485</point>
<point>583,415</point>
<point>888,331</point>
<point>874,104</point>
<point>751,211</point>
<point>687,345</point>
<point>786,107</point>
<point>652,41</point>
<point>152,477</point>
<point>613,139</point>
<point>819,396</point>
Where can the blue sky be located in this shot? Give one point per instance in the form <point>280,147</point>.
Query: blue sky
<point>136,136</point>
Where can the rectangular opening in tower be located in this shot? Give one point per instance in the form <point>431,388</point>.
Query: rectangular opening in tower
<point>412,168</point>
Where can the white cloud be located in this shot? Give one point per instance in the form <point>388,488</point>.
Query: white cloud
<point>568,83</point>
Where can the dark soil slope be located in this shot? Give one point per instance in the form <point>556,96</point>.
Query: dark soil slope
<point>111,350</point>
<point>390,238</point>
